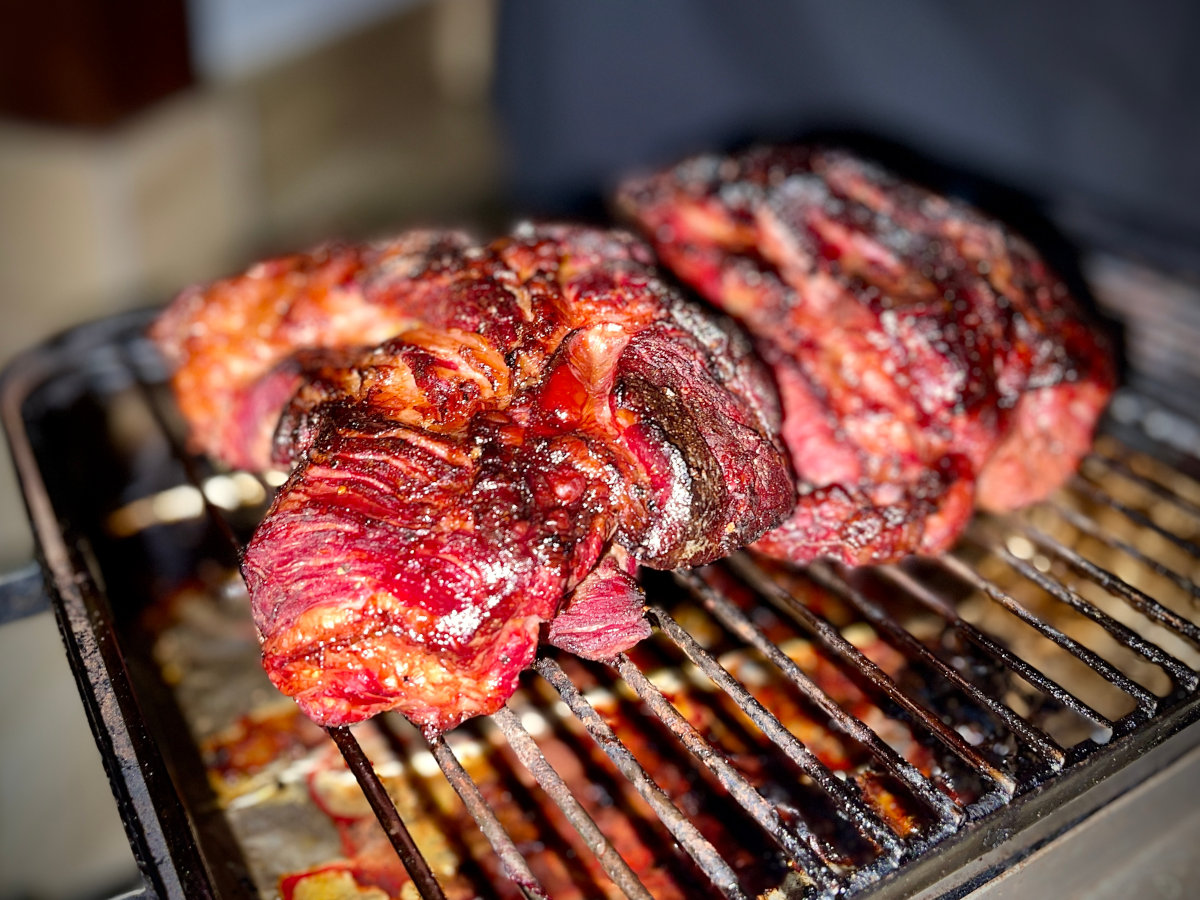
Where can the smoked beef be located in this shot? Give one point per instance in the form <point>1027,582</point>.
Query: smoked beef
<point>474,433</point>
<point>927,359</point>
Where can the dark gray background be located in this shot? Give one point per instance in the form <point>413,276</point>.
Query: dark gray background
<point>1089,109</point>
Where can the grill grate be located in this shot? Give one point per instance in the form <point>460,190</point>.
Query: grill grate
<point>853,725</point>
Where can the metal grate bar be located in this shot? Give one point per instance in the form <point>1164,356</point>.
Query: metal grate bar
<point>513,863</point>
<point>191,470</point>
<point>385,810</point>
<point>1146,700</point>
<point>552,783</point>
<point>947,810</point>
<point>1140,601</point>
<point>850,656</point>
<point>1163,424</point>
<point>1094,493</point>
<point>697,846</point>
<point>1018,666</point>
<point>798,840</point>
<point>1040,742</point>
<point>861,815</point>
<point>1162,492</point>
<point>1088,527</point>
<point>1181,674</point>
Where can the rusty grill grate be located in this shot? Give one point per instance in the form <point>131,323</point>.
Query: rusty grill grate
<point>785,732</point>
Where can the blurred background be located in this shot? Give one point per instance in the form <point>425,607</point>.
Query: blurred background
<point>148,144</point>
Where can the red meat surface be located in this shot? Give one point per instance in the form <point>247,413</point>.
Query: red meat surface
<point>541,414</point>
<point>928,360</point>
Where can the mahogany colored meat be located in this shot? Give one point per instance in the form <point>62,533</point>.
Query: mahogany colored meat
<point>544,413</point>
<point>927,359</point>
<point>238,346</point>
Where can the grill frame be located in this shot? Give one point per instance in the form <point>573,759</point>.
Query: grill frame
<point>178,839</point>
<point>161,839</point>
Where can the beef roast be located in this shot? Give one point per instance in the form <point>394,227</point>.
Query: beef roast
<point>927,358</point>
<point>476,435</point>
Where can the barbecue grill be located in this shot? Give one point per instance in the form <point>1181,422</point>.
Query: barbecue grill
<point>917,728</point>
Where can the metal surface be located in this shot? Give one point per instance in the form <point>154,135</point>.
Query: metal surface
<point>1031,826</point>
<point>154,818</point>
<point>922,727</point>
<point>1084,859</point>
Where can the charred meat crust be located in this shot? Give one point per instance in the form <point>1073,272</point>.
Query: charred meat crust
<point>927,358</point>
<point>476,435</point>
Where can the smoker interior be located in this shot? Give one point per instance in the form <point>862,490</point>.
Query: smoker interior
<point>784,733</point>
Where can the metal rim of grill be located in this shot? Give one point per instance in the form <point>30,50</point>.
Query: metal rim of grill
<point>1147,454</point>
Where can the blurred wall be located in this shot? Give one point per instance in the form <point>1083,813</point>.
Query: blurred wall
<point>1090,106</point>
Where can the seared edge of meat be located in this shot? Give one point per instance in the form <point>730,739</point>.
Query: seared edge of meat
<point>927,358</point>
<point>542,412</point>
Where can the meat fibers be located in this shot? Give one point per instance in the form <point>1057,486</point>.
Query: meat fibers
<point>477,437</point>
